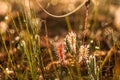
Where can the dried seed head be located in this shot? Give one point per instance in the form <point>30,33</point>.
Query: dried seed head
<point>3,27</point>
<point>71,39</point>
<point>83,52</point>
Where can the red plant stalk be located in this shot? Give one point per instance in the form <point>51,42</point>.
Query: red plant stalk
<point>85,22</point>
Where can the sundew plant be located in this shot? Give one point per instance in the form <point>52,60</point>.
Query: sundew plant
<point>59,40</point>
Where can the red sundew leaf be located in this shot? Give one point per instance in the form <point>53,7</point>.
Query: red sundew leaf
<point>61,53</point>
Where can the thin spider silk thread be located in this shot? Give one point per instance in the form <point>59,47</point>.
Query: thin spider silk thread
<point>61,16</point>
